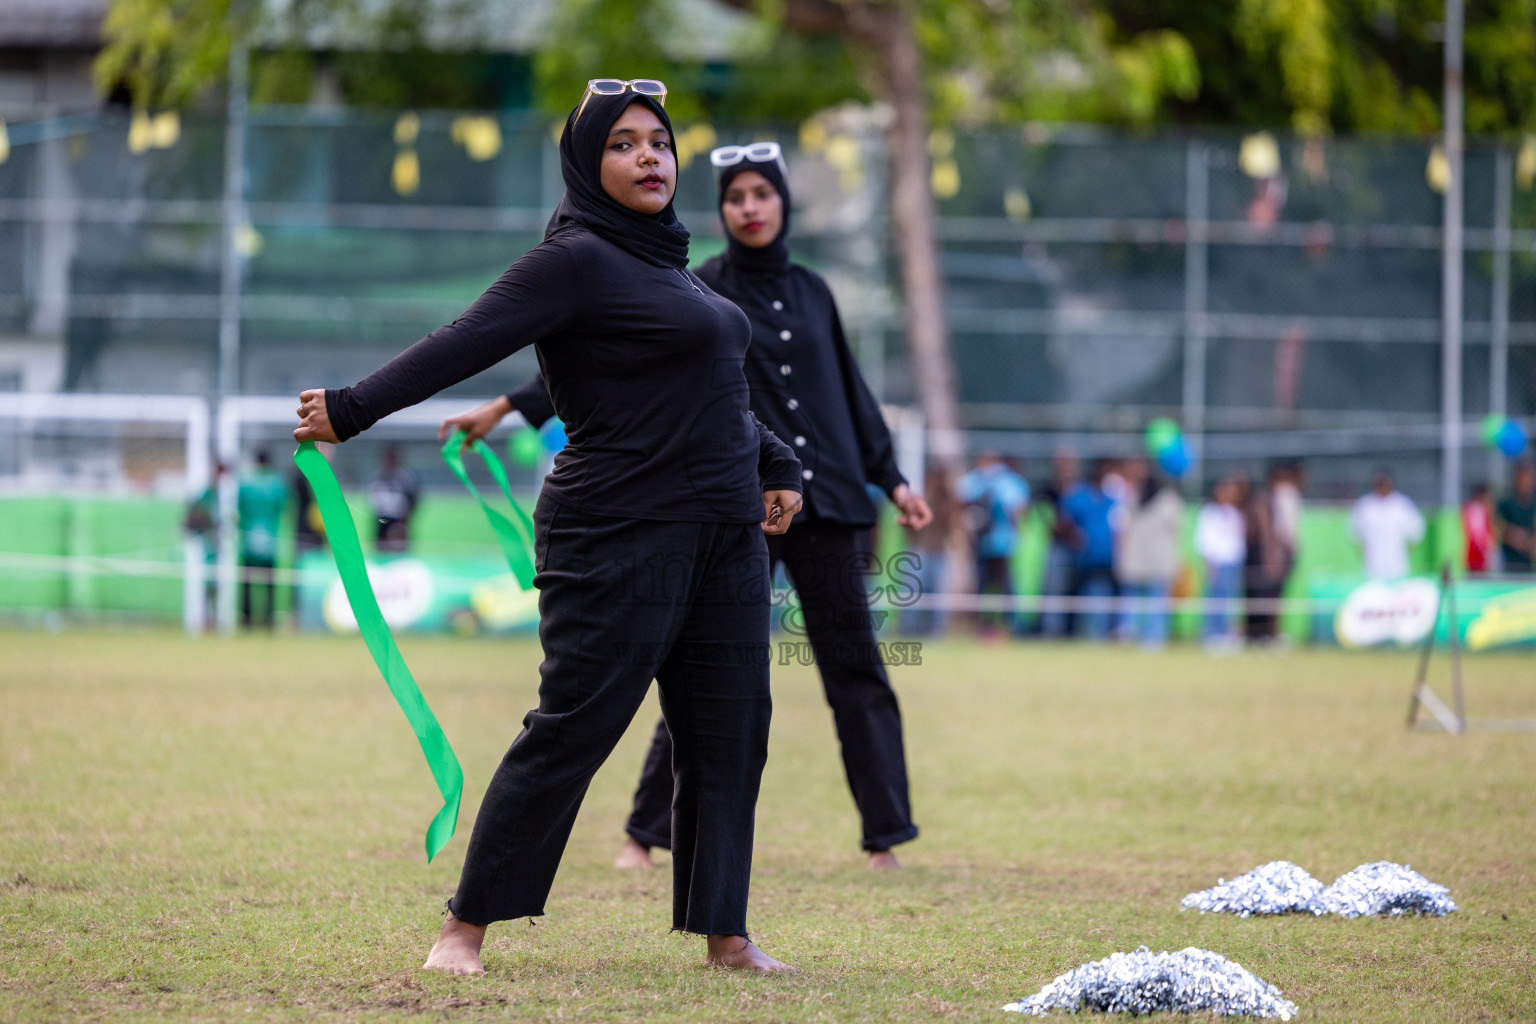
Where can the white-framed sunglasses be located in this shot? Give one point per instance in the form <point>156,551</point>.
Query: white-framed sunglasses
<point>652,87</point>
<point>756,152</point>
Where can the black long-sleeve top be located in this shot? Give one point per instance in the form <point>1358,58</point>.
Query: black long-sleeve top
<point>805,386</point>
<point>643,364</point>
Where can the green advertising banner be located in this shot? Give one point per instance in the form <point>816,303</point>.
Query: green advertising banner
<point>421,594</point>
<point>1489,613</point>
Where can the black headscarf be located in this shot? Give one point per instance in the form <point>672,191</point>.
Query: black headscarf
<point>658,238</point>
<point>772,258</point>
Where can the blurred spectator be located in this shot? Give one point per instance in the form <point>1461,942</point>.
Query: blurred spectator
<point>1220,539</point>
<point>1477,529</point>
<point>1061,555</point>
<point>202,524</point>
<point>1092,513</point>
<point>1517,520</point>
<point>1147,558</point>
<point>1385,523</point>
<point>308,527</point>
<point>931,545</point>
<point>1267,561</point>
<point>308,537</point>
<point>995,496</point>
<point>263,496</point>
<point>1122,492</point>
<point>393,495</point>
<point>1117,484</point>
<point>875,495</point>
<point>1285,486</point>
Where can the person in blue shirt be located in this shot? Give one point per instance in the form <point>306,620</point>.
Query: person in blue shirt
<point>1091,511</point>
<point>995,497</point>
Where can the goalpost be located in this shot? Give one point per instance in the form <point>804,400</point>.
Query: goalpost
<point>241,412</point>
<point>188,412</point>
<point>1453,719</point>
<point>202,432</point>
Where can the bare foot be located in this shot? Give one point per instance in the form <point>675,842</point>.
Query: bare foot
<point>883,860</point>
<point>633,856</point>
<point>457,949</point>
<point>737,953</point>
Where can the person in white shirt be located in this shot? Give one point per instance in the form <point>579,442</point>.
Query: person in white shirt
<point>1385,524</point>
<point>1221,539</point>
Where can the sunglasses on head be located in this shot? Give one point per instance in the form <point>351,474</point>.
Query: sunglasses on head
<point>757,152</point>
<point>615,86</point>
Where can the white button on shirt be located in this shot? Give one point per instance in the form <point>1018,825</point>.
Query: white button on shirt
<point>784,335</point>
<point>777,304</point>
<point>784,369</point>
<point>807,473</point>
<point>799,440</point>
<point>793,403</point>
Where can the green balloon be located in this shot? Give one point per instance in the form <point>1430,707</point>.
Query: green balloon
<point>1492,424</point>
<point>525,447</point>
<point>1161,433</point>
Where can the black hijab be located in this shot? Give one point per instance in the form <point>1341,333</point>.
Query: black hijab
<point>773,258</point>
<point>658,238</point>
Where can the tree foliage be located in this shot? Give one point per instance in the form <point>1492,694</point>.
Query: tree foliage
<point>165,53</point>
<point>169,53</point>
<point>1311,65</point>
<point>771,75</point>
<point>1346,65</point>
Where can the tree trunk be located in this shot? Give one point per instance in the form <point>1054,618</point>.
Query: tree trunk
<point>899,66</point>
<point>885,31</point>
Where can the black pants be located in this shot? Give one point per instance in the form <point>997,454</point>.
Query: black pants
<point>260,577</point>
<point>823,560</point>
<point>994,575</point>
<point>1261,584</point>
<point>621,602</point>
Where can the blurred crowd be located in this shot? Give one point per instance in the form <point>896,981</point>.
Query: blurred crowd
<point>1119,547</point>
<point>263,497</point>
<point>1118,544</point>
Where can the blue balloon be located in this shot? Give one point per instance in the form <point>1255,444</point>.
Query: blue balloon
<point>1511,439</point>
<point>554,436</point>
<point>1175,457</point>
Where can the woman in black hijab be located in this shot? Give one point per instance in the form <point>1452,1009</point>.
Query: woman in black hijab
<point>648,531</point>
<point>807,387</point>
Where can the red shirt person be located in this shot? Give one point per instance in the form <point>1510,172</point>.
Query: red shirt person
<point>1477,528</point>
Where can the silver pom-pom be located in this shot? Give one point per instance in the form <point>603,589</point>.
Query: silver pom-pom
<point>1383,888</point>
<point>1278,887</point>
<point>1189,981</point>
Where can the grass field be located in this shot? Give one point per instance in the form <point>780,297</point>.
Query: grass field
<point>231,830</point>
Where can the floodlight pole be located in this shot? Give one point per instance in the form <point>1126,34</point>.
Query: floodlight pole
<point>1451,269</point>
<point>1498,347</point>
<point>228,384</point>
<point>1197,172</point>
<point>234,222</point>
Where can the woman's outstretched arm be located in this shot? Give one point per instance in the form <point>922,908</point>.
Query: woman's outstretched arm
<point>535,299</point>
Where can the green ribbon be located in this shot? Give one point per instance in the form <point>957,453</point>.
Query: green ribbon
<point>515,538</point>
<point>341,532</point>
